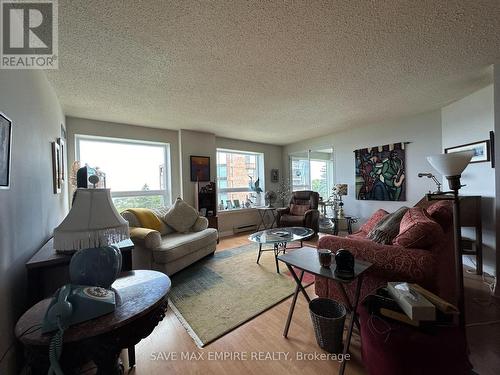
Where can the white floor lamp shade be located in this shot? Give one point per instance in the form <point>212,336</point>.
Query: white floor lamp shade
<point>451,164</point>
<point>93,221</point>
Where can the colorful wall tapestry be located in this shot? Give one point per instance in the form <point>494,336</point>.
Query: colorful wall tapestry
<point>380,173</point>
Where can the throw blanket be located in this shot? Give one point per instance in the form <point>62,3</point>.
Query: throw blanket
<point>388,228</point>
<point>146,217</point>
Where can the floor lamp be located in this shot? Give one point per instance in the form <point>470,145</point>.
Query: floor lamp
<point>451,166</point>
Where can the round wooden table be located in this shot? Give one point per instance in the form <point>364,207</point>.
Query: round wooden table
<point>141,304</point>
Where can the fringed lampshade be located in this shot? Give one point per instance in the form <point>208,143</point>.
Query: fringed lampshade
<point>92,222</point>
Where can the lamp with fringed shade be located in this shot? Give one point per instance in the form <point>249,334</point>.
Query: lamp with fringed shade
<point>92,229</point>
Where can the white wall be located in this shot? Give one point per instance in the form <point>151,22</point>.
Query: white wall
<point>110,129</point>
<point>29,210</point>
<point>465,121</point>
<point>197,144</point>
<point>424,133</point>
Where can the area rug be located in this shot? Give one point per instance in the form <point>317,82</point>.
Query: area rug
<point>219,293</point>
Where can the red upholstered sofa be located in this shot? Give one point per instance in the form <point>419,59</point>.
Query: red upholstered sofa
<point>433,268</point>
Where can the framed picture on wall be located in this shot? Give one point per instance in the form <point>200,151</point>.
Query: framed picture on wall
<point>62,163</point>
<point>481,150</point>
<point>275,175</point>
<point>5,150</point>
<point>200,168</point>
<point>56,167</point>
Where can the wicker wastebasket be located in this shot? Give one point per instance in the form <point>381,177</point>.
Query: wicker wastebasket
<point>328,318</point>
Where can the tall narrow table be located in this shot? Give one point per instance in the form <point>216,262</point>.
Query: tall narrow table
<point>263,213</point>
<point>306,260</point>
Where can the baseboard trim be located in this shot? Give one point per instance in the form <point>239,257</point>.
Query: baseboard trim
<point>226,234</point>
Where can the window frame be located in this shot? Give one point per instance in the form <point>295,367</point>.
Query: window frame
<point>306,156</point>
<point>260,168</point>
<point>167,175</point>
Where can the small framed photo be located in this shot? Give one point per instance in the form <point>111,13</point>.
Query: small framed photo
<point>229,205</point>
<point>481,150</point>
<point>56,167</point>
<point>5,150</point>
<point>62,149</point>
<point>236,203</point>
<point>200,168</point>
<point>275,175</point>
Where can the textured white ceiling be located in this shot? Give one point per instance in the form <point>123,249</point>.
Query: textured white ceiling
<point>273,72</point>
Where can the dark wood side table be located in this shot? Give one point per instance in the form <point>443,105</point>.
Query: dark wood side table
<point>47,264</point>
<point>471,216</point>
<point>306,260</point>
<point>141,305</point>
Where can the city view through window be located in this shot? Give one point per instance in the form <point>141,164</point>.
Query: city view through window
<point>135,172</point>
<point>312,171</point>
<point>237,173</point>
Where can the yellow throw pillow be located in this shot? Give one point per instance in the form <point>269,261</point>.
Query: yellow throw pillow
<point>146,217</point>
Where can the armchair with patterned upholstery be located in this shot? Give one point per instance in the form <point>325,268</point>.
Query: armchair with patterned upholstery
<point>302,211</point>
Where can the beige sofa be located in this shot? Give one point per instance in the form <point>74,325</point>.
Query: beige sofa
<point>166,250</point>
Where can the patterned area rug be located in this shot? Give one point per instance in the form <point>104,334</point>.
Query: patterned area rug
<point>219,293</point>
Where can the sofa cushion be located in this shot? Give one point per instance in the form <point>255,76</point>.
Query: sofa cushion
<point>165,228</point>
<point>131,218</point>
<point>418,230</point>
<point>299,209</point>
<point>373,220</point>
<point>181,216</point>
<point>387,229</point>
<point>200,224</point>
<point>442,213</point>
<point>292,221</point>
<point>177,245</point>
<point>144,216</point>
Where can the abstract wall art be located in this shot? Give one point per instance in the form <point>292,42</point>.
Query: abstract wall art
<point>200,168</point>
<point>381,173</point>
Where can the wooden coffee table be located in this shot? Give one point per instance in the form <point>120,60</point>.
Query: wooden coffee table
<point>306,260</point>
<point>141,305</point>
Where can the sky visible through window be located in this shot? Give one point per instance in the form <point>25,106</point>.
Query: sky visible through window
<point>128,166</point>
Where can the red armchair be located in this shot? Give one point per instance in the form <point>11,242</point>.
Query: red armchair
<point>302,211</point>
<point>432,268</point>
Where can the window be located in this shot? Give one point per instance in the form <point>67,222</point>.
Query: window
<point>312,170</point>
<point>237,171</point>
<point>137,172</point>
<point>300,173</point>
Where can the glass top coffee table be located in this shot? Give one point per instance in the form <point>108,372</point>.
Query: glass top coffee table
<point>279,237</point>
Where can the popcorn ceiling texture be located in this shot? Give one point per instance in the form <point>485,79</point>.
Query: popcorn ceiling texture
<point>273,72</point>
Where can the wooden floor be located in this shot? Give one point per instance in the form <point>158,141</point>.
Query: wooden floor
<point>163,352</point>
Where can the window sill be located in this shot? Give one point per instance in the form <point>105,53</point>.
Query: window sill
<point>236,210</point>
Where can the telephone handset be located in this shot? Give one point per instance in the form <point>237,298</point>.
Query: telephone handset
<point>74,304</point>
<point>60,309</point>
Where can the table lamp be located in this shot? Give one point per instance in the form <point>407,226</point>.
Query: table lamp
<point>451,166</point>
<point>91,228</point>
<point>340,190</point>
